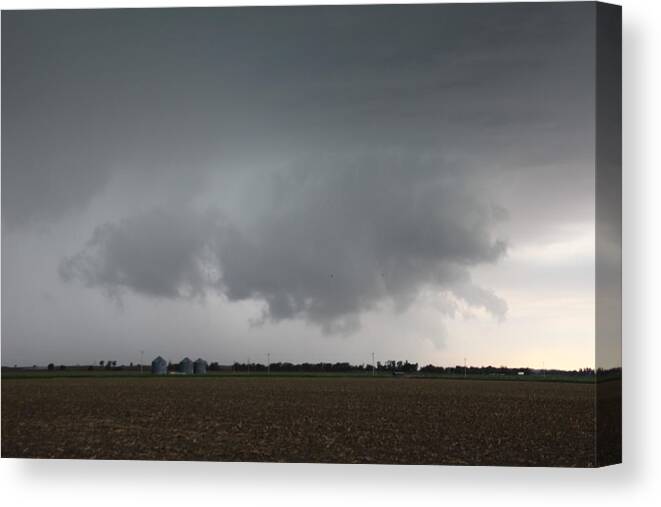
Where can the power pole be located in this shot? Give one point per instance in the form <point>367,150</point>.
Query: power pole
<point>142,354</point>
<point>268,363</point>
<point>373,366</point>
<point>464,367</point>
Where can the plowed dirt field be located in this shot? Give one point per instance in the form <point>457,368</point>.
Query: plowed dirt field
<point>346,420</point>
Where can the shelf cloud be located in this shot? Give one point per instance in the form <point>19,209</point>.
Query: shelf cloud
<point>335,239</point>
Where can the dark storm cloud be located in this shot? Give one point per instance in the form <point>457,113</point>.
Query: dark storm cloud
<point>158,254</point>
<point>88,95</point>
<point>324,161</point>
<point>334,241</point>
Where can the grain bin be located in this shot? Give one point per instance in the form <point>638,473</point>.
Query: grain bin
<point>159,366</point>
<point>200,367</point>
<point>186,366</point>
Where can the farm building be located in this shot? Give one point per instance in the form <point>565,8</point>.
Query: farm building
<point>200,367</point>
<point>159,366</point>
<point>186,366</point>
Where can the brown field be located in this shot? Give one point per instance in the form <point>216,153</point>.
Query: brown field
<point>347,420</point>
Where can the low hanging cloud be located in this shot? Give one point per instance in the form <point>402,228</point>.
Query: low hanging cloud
<point>324,245</point>
<point>158,254</point>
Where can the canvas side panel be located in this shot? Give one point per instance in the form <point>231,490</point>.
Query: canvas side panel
<point>608,277</point>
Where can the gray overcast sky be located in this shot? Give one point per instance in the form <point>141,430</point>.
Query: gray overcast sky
<point>320,183</point>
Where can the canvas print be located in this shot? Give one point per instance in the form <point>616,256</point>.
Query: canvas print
<point>385,234</point>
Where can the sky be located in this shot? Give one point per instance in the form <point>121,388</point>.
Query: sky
<point>319,183</point>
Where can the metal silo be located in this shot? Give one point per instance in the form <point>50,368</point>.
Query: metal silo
<point>159,366</point>
<point>186,366</point>
<point>200,367</point>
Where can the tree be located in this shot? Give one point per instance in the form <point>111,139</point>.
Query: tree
<point>101,363</point>
<point>51,366</point>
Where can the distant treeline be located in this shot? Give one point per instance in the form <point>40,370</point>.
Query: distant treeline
<point>340,367</point>
<point>390,366</point>
<point>501,370</point>
<point>407,367</point>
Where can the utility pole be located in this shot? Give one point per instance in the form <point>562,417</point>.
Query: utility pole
<point>268,363</point>
<point>373,365</point>
<point>464,367</point>
<point>142,354</point>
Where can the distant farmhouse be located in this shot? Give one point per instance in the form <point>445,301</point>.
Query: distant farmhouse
<point>159,366</point>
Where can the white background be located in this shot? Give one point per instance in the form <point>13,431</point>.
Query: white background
<point>636,482</point>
